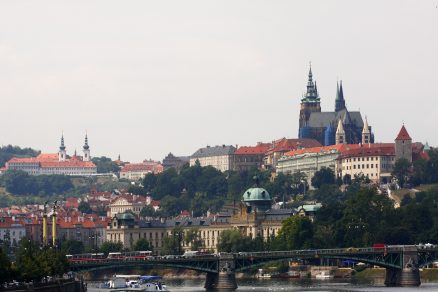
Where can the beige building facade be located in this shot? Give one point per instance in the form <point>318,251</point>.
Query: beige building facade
<point>219,157</point>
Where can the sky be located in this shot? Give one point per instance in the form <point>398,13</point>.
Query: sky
<point>145,78</point>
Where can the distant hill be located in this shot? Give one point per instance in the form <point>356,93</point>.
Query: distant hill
<point>9,151</point>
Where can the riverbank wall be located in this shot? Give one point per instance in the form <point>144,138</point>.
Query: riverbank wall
<point>55,286</point>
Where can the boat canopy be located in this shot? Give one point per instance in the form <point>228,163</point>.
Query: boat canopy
<point>148,278</point>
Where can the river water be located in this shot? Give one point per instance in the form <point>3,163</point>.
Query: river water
<point>255,285</point>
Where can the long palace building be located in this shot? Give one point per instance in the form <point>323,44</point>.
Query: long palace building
<point>56,163</point>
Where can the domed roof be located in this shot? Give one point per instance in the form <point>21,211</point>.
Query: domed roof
<point>125,216</point>
<point>256,194</point>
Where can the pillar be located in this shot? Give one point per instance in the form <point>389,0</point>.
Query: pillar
<point>45,228</point>
<point>54,229</point>
<point>409,274</point>
<point>225,278</point>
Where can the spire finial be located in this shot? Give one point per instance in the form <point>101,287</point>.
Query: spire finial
<point>62,147</point>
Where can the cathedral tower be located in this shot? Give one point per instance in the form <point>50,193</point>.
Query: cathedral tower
<point>62,154</point>
<point>86,149</point>
<point>340,101</point>
<point>310,102</point>
<point>340,134</point>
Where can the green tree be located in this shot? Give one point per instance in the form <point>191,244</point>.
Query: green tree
<point>142,245</point>
<point>149,182</point>
<point>324,176</point>
<point>233,241</point>
<point>172,244</point>
<point>72,247</point>
<point>296,232</point>
<point>193,238</point>
<point>148,211</point>
<point>9,151</point>
<point>5,268</point>
<point>109,246</point>
<point>105,165</point>
<point>401,171</point>
<point>84,207</point>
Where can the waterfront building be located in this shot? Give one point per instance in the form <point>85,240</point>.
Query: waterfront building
<point>56,163</point>
<point>279,147</point>
<point>87,228</point>
<point>219,157</point>
<point>137,171</point>
<point>321,126</point>
<point>254,218</point>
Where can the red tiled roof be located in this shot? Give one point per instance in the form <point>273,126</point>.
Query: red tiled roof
<point>380,149</point>
<point>339,148</point>
<point>283,145</point>
<point>155,203</point>
<point>51,160</point>
<point>66,164</point>
<point>261,148</point>
<point>403,134</point>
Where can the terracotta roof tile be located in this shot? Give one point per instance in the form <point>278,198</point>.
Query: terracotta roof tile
<point>403,134</point>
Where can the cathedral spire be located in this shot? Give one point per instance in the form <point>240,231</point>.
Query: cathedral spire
<point>340,101</point>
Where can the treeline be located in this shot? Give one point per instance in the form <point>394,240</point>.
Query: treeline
<point>9,151</point>
<point>206,188</point>
<point>21,183</point>
<point>32,263</point>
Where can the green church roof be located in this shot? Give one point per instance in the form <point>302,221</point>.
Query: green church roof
<point>256,194</point>
<point>125,216</point>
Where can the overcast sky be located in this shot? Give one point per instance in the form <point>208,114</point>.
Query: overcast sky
<point>146,78</point>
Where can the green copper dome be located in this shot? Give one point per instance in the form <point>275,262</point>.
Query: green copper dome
<point>256,194</point>
<point>125,216</point>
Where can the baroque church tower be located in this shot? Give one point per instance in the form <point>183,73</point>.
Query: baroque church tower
<point>86,150</point>
<point>62,154</point>
<point>310,102</point>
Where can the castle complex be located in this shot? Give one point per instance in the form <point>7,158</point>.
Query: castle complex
<point>322,126</point>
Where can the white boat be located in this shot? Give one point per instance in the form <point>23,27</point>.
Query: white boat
<point>154,286</point>
<point>152,283</point>
<point>324,275</point>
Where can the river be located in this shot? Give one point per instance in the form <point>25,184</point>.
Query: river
<point>255,285</point>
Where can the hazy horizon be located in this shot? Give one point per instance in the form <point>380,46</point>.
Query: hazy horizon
<point>147,78</point>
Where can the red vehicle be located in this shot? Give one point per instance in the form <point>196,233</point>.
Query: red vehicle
<point>379,245</point>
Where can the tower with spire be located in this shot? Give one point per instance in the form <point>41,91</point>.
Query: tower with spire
<point>86,150</point>
<point>340,101</point>
<point>310,102</point>
<point>403,145</point>
<point>340,133</point>
<point>366,133</point>
<point>62,154</point>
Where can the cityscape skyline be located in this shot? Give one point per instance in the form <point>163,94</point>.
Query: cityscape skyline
<point>147,79</point>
